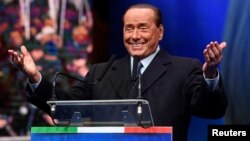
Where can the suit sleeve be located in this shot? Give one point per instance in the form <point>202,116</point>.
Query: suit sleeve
<point>43,93</point>
<point>205,102</point>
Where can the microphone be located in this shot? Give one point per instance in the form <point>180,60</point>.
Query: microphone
<point>99,78</point>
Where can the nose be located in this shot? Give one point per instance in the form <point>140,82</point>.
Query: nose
<point>136,34</point>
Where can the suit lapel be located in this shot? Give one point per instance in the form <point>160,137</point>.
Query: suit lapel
<point>155,70</point>
<point>121,77</point>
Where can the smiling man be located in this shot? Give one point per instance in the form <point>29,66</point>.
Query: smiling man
<point>142,31</point>
<point>176,87</point>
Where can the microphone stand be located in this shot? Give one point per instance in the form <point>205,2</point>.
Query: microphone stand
<point>53,98</point>
<point>139,105</point>
<point>99,78</point>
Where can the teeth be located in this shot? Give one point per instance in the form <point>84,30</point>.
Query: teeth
<point>135,44</point>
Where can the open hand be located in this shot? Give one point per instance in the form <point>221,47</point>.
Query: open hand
<point>25,63</point>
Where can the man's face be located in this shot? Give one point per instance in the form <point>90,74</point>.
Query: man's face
<point>140,33</point>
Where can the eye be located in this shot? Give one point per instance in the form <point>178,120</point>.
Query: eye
<point>128,29</point>
<point>144,29</point>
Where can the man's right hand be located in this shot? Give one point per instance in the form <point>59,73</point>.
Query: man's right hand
<point>26,64</point>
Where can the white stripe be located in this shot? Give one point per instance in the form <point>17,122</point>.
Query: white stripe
<point>100,130</point>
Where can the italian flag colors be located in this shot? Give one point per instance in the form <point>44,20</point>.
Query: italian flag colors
<point>101,134</point>
<point>71,129</point>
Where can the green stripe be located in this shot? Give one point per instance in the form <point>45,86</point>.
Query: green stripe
<point>54,130</point>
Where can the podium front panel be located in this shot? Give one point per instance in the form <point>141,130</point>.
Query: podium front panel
<point>101,133</point>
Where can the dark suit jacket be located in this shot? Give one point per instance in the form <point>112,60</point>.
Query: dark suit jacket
<point>174,86</point>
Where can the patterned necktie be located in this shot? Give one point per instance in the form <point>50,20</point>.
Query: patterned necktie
<point>137,65</point>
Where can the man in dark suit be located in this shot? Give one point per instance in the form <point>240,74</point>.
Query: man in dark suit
<point>175,87</point>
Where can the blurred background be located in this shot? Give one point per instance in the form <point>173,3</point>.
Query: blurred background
<point>71,35</point>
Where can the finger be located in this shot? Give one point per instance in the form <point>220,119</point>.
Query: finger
<point>223,45</point>
<point>206,56</point>
<point>211,53</point>
<point>15,60</point>
<point>19,60</point>
<point>11,53</point>
<point>15,54</point>
<point>24,50</point>
<point>21,56</point>
<point>16,57</point>
<point>220,46</point>
<point>216,50</point>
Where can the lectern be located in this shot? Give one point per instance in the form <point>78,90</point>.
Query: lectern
<point>97,120</point>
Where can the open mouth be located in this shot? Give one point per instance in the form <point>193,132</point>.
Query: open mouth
<point>136,45</point>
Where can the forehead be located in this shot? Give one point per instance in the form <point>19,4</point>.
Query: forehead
<point>138,14</point>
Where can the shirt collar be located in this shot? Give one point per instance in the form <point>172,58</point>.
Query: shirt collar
<point>146,61</point>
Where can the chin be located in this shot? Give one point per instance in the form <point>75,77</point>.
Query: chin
<point>134,54</point>
<point>138,55</point>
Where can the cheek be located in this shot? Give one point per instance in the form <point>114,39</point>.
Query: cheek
<point>125,37</point>
<point>148,50</point>
<point>155,40</point>
<point>127,47</point>
<point>151,47</point>
<point>125,42</point>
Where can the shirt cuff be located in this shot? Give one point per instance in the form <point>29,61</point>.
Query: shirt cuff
<point>33,86</point>
<point>212,83</point>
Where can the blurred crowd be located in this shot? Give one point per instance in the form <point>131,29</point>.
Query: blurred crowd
<point>52,53</point>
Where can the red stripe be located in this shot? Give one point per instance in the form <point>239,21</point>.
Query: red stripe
<point>164,129</point>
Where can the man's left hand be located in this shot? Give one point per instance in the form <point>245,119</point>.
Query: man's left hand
<point>213,56</point>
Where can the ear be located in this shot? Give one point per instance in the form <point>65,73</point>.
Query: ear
<point>161,32</point>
